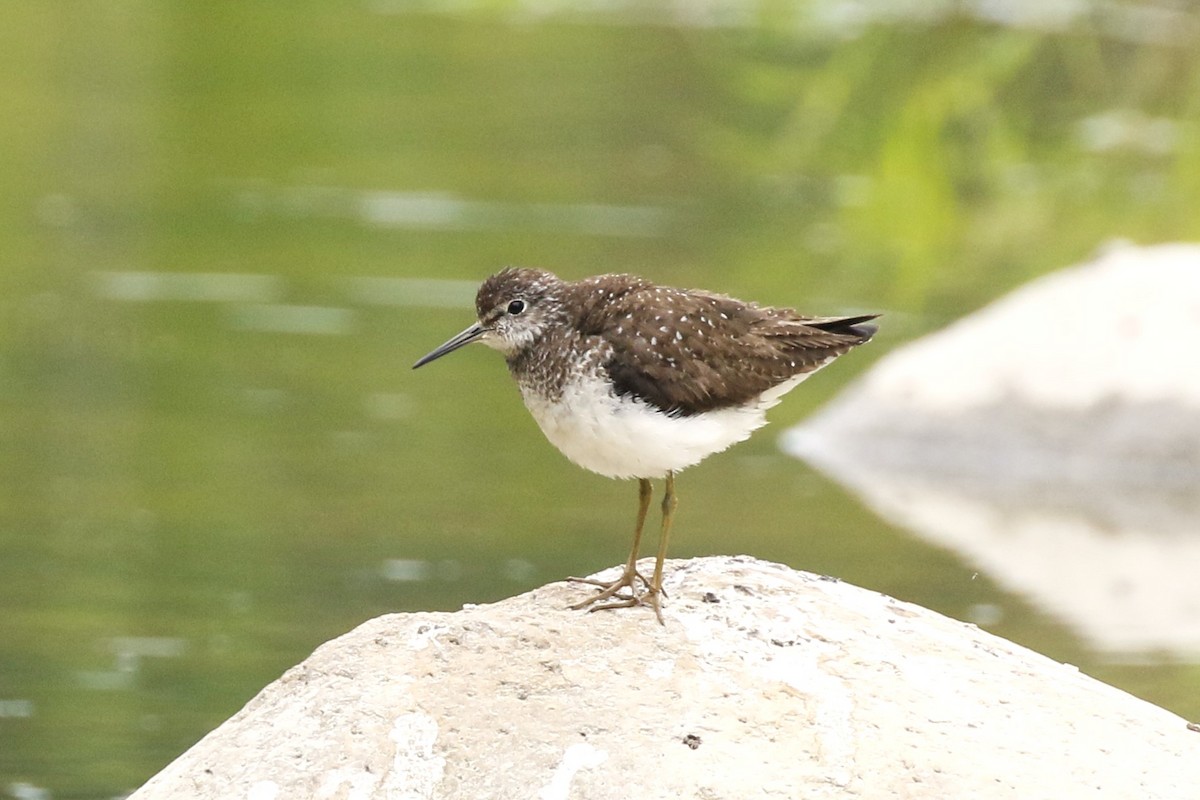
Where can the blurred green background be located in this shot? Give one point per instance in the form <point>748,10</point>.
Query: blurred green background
<point>227,229</point>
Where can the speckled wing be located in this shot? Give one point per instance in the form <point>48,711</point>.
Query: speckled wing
<point>687,352</point>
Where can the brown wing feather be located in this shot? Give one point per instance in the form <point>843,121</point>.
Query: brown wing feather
<point>698,351</point>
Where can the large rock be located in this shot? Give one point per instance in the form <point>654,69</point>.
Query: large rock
<point>1088,375</point>
<point>765,682</point>
<point>1053,440</point>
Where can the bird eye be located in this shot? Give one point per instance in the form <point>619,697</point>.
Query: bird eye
<point>516,306</point>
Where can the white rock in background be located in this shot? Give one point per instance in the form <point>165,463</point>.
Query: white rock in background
<point>1122,329</point>
<point>765,682</point>
<point>1090,373</point>
<point>1052,438</point>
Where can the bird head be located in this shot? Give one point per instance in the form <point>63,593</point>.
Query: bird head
<point>513,306</point>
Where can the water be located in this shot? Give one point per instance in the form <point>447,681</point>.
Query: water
<point>229,231</point>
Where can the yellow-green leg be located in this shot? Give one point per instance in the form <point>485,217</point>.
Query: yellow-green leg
<point>653,594</point>
<point>669,504</point>
<point>630,575</point>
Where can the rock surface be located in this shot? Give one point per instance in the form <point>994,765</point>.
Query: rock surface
<point>765,682</point>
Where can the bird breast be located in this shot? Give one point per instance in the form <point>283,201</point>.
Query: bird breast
<point>624,437</point>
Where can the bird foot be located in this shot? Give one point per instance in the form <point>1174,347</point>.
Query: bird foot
<point>612,587</point>
<point>650,597</point>
<point>645,595</point>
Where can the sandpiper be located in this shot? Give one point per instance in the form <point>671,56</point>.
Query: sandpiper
<point>633,380</point>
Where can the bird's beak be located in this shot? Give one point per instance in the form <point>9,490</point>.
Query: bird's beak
<point>471,334</point>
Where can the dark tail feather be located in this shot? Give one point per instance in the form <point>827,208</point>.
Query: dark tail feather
<point>850,326</point>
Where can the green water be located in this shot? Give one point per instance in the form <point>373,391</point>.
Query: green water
<point>213,453</point>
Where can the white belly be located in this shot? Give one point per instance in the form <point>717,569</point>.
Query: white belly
<point>625,438</point>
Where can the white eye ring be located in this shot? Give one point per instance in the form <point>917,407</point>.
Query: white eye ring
<point>516,307</point>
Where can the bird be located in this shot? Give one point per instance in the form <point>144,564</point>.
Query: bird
<point>631,379</point>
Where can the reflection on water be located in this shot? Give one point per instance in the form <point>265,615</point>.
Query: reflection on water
<point>1117,567</point>
<point>403,209</point>
<point>405,570</point>
<point>447,212</point>
<point>321,320</point>
<point>16,708</point>
<point>229,232</point>
<point>261,290</point>
<point>128,654</point>
<point>213,287</point>
<point>429,292</point>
